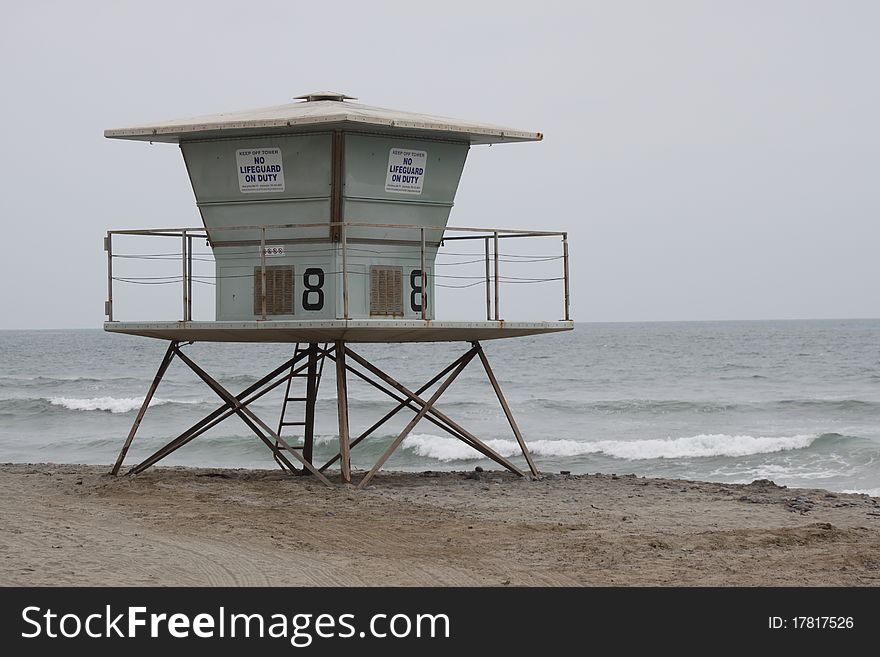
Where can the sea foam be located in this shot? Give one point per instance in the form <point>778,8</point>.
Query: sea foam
<point>702,445</point>
<point>111,404</point>
<point>873,492</point>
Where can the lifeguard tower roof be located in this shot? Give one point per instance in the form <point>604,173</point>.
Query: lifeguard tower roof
<point>320,111</point>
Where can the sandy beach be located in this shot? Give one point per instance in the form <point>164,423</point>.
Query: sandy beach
<point>75,525</point>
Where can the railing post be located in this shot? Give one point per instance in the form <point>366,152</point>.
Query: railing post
<point>184,278</point>
<point>108,247</point>
<point>497,282</point>
<point>424,277</point>
<point>344,234</point>
<point>189,278</point>
<point>263,270</point>
<point>488,285</point>
<point>565,265</point>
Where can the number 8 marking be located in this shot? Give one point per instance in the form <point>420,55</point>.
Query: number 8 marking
<point>311,289</point>
<point>417,289</point>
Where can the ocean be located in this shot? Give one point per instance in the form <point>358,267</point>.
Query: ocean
<point>797,402</point>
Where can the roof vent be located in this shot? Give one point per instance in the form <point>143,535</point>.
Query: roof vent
<point>325,95</point>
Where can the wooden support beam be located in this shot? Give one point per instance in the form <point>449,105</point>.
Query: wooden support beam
<point>339,353</point>
<point>421,402</point>
<point>222,413</point>
<point>507,412</point>
<point>311,399</point>
<point>342,411</point>
<point>403,403</point>
<point>163,367</point>
<point>412,423</point>
<point>249,417</point>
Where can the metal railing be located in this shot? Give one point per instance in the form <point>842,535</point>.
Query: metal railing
<point>490,236</point>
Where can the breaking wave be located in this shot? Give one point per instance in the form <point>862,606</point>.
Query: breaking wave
<point>873,492</point>
<point>112,404</point>
<point>702,445</point>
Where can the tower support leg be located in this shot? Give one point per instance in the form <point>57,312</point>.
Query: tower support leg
<point>311,398</point>
<point>505,407</point>
<point>342,409</point>
<point>341,355</point>
<point>163,367</point>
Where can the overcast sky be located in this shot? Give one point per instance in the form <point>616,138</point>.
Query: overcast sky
<point>710,160</point>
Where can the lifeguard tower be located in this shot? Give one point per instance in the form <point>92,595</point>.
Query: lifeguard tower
<point>324,218</point>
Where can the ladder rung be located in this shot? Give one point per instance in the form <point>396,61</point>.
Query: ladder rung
<point>293,424</point>
<point>297,399</point>
<point>284,449</point>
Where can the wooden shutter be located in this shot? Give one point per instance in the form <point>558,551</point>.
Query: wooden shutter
<point>386,290</point>
<point>279,290</point>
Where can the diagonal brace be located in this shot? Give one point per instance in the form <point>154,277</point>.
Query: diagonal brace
<point>506,408</point>
<point>220,414</point>
<point>412,423</point>
<point>163,367</point>
<point>405,403</point>
<point>495,456</point>
<point>248,416</point>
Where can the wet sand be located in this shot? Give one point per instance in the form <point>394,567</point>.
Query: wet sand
<point>75,525</point>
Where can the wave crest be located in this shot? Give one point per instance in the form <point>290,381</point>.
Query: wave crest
<point>702,445</point>
<point>111,404</point>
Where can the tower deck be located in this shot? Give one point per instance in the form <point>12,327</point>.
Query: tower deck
<point>365,330</point>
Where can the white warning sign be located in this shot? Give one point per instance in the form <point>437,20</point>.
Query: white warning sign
<point>260,170</point>
<point>406,171</point>
<point>273,251</point>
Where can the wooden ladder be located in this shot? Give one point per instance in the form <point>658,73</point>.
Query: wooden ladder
<point>312,377</point>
